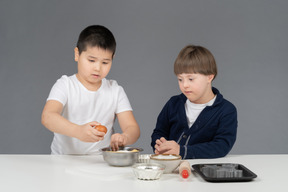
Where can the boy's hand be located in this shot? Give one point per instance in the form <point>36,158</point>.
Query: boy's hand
<point>88,133</point>
<point>118,140</point>
<point>167,147</point>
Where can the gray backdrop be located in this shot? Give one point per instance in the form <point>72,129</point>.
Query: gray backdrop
<point>248,39</point>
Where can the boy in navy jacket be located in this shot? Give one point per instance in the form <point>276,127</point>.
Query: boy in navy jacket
<point>199,123</point>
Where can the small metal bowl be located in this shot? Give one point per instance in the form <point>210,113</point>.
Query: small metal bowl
<point>125,156</point>
<point>144,158</point>
<point>148,171</point>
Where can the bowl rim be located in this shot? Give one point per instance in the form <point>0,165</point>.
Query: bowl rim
<point>178,157</point>
<point>125,150</point>
<point>159,166</point>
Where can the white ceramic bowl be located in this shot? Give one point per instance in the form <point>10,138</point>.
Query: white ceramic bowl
<point>148,171</point>
<point>171,162</point>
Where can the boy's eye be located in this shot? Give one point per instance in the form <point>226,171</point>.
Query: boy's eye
<point>92,61</point>
<point>190,79</point>
<point>180,80</point>
<point>105,63</point>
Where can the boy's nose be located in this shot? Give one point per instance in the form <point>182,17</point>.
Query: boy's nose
<point>185,84</point>
<point>97,66</point>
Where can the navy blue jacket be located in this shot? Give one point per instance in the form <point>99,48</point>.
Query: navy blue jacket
<point>212,135</point>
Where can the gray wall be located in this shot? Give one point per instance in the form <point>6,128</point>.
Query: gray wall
<point>248,39</point>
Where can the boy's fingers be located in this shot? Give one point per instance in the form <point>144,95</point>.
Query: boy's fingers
<point>162,139</point>
<point>115,144</point>
<point>159,142</point>
<point>156,152</point>
<point>121,141</point>
<point>94,124</point>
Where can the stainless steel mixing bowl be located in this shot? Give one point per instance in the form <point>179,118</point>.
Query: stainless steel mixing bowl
<point>125,156</point>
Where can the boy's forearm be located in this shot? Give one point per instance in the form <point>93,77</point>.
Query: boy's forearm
<point>132,133</point>
<point>58,124</point>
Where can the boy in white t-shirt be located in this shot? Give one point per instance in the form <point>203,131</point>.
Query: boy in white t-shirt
<point>77,103</point>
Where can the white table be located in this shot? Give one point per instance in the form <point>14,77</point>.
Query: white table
<point>43,173</point>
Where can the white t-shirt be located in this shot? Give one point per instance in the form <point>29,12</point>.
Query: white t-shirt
<point>193,110</point>
<point>81,106</point>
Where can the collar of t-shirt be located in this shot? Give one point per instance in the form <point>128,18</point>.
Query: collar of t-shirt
<point>193,110</point>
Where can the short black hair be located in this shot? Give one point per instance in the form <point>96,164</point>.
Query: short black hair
<point>96,35</point>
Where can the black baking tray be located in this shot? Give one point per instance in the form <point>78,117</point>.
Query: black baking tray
<point>247,175</point>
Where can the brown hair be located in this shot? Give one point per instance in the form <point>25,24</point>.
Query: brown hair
<point>195,59</point>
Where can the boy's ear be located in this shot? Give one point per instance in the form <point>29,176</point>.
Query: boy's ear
<point>76,54</point>
<point>211,77</point>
